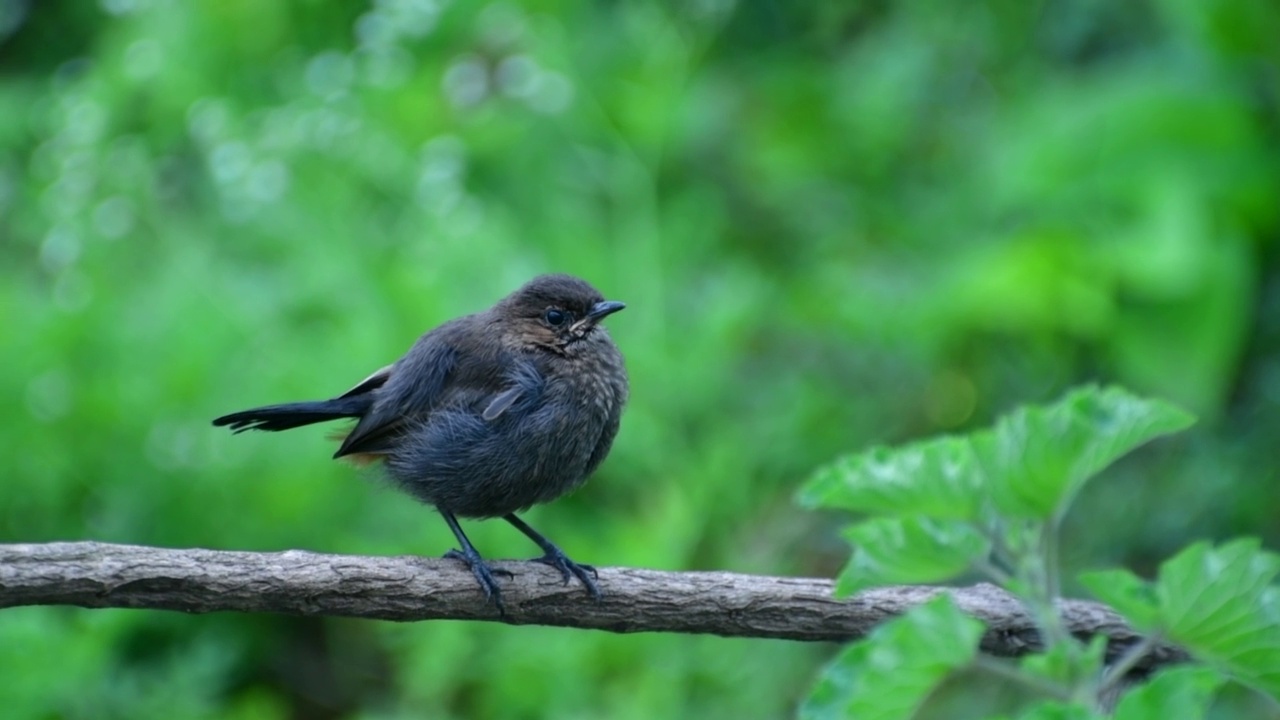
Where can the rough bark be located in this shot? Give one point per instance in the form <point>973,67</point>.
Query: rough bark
<point>100,575</point>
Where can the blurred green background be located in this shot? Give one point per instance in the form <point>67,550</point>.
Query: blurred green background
<point>835,223</point>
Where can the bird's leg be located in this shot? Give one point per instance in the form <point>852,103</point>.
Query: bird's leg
<point>468,554</point>
<point>556,558</point>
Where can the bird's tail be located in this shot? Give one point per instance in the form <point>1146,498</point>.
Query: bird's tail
<point>292,415</point>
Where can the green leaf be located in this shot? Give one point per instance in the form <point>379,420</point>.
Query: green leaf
<point>1037,458</point>
<point>1054,710</point>
<point>1183,693</point>
<point>1069,663</point>
<point>888,675</point>
<point>1127,594</point>
<point>938,478</point>
<point>896,550</point>
<point>1218,603</point>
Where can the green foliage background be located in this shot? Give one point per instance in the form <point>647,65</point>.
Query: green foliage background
<point>835,224</point>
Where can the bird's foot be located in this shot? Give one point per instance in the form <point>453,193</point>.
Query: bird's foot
<point>586,574</point>
<point>484,575</point>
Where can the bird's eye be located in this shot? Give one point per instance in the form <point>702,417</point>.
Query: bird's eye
<point>555,317</point>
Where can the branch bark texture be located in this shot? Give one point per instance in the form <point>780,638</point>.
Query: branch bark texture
<point>100,575</point>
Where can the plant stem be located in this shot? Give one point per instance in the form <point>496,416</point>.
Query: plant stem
<point>1052,571</point>
<point>1005,670</point>
<point>1050,586</point>
<point>1127,662</point>
<point>994,573</point>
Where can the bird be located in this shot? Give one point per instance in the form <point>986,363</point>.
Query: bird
<point>487,414</point>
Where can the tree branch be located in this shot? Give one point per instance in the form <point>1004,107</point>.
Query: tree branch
<point>100,575</point>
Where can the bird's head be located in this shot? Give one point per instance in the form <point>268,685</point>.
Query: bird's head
<point>554,311</point>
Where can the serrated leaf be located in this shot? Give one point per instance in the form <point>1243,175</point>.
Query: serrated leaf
<point>1220,605</point>
<point>895,550</point>
<point>1183,693</point>
<point>888,675</point>
<point>938,478</point>
<point>1037,458</point>
<point>1127,594</point>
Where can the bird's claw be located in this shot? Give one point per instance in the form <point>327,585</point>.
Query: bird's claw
<point>586,574</point>
<point>483,573</point>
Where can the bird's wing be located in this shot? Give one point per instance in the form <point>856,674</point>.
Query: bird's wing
<point>407,392</point>
<point>501,403</point>
<point>524,386</point>
<point>371,383</point>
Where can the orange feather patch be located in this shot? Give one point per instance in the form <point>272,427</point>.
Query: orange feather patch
<point>357,459</point>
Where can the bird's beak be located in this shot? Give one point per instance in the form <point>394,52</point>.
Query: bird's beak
<point>598,312</point>
<point>601,310</point>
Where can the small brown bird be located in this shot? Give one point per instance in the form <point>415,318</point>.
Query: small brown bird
<point>488,414</point>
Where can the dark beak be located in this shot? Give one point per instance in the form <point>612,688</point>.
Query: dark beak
<point>598,312</point>
<point>601,310</point>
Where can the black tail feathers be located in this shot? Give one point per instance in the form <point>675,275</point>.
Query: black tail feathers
<point>292,415</point>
